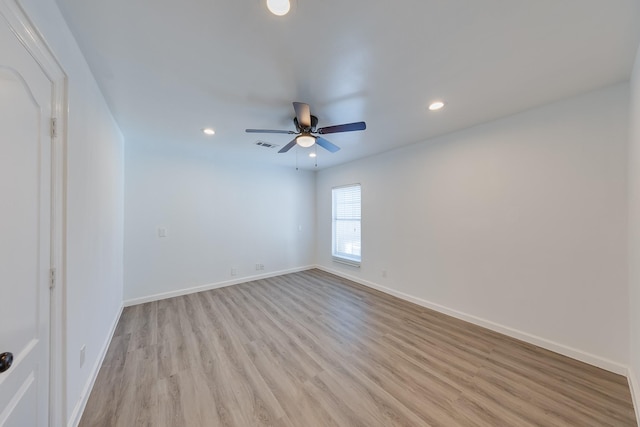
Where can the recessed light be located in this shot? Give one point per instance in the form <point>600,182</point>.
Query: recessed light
<point>312,155</point>
<point>437,105</point>
<point>208,131</point>
<point>279,7</point>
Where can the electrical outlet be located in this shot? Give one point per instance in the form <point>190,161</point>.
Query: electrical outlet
<point>257,267</point>
<point>83,351</point>
<point>234,271</point>
<point>384,274</point>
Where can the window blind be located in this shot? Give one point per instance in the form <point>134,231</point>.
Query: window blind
<point>346,224</point>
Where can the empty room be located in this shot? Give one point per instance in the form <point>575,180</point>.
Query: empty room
<point>312,213</point>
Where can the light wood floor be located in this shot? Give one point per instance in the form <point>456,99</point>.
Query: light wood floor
<point>311,349</point>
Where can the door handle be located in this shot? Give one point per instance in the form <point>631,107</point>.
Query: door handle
<point>6,360</point>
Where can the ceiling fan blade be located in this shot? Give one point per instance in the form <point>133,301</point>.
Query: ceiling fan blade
<point>288,132</point>
<point>326,144</point>
<point>348,127</point>
<point>303,114</point>
<point>288,146</point>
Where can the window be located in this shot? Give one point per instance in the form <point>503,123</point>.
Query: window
<point>346,224</point>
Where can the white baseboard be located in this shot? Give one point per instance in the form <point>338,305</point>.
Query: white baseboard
<point>76,415</point>
<point>634,386</point>
<point>207,287</point>
<point>573,353</point>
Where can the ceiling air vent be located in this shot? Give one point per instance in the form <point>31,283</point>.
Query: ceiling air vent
<point>265,144</point>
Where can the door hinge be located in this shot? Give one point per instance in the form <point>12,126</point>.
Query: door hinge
<point>54,128</point>
<point>52,278</point>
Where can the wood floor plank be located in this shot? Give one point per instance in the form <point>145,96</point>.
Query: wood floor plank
<point>101,409</point>
<point>253,395</point>
<point>312,349</point>
<point>137,399</point>
<point>288,385</point>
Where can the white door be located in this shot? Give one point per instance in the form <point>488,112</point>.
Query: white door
<point>25,216</point>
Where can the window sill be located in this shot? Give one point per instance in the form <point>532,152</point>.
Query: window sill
<point>346,261</point>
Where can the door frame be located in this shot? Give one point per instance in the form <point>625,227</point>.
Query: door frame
<point>35,44</point>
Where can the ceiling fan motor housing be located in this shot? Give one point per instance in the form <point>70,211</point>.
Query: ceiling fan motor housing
<point>314,123</point>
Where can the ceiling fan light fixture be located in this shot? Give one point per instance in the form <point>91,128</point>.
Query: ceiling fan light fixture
<point>279,7</point>
<point>305,141</point>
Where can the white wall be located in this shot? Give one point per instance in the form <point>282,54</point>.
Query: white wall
<point>94,208</point>
<point>520,222</point>
<point>634,231</point>
<point>217,213</point>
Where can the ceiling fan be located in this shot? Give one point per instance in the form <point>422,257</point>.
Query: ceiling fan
<point>306,131</point>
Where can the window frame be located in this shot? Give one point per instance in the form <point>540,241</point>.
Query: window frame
<point>340,257</point>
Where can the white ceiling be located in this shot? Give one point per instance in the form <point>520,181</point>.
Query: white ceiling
<point>169,68</point>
